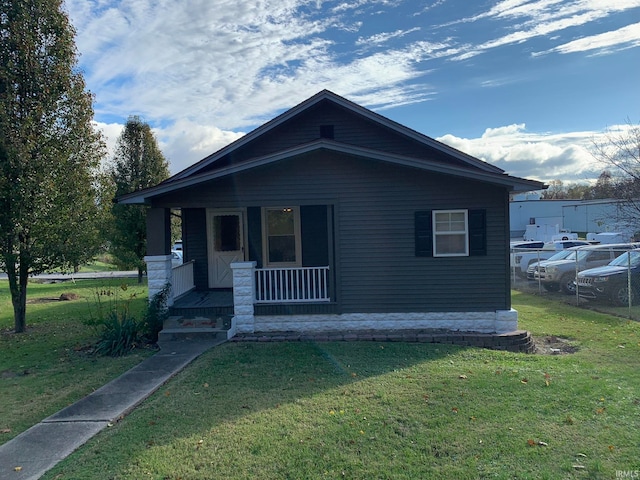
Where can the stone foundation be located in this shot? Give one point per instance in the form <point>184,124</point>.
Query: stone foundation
<point>519,341</point>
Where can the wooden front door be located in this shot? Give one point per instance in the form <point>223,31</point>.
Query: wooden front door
<point>225,245</point>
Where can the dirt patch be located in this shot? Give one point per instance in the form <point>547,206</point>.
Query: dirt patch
<point>552,345</point>
<point>64,297</point>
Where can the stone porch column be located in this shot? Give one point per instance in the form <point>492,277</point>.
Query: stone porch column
<point>244,294</point>
<point>506,321</point>
<point>158,274</point>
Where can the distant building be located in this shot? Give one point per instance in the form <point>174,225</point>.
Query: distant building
<point>579,216</point>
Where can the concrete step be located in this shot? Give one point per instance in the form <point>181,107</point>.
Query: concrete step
<point>195,328</point>
<point>175,334</point>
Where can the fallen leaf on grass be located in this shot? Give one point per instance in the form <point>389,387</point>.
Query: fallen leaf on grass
<point>5,430</point>
<point>463,377</point>
<point>454,409</point>
<point>600,411</point>
<point>532,443</point>
<point>611,448</point>
<point>524,380</point>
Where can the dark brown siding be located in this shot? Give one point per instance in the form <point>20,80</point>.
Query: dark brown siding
<point>374,209</point>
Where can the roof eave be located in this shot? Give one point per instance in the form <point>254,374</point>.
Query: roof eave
<point>513,183</point>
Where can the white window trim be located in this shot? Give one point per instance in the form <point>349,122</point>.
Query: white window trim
<point>265,238</point>
<point>451,232</point>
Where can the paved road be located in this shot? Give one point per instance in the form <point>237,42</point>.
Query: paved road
<point>81,276</point>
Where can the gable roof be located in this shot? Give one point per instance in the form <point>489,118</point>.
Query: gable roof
<point>214,166</point>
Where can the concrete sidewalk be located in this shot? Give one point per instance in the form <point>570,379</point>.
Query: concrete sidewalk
<point>32,453</point>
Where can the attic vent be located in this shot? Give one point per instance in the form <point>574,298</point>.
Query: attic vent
<point>326,131</point>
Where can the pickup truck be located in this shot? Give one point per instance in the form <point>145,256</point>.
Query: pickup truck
<point>523,256</point>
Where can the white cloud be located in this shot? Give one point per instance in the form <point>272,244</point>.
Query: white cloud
<point>543,18</point>
<point>385,36</point>
<point>542,156</point>
<point>110,134</point>
<point>625,37</point>
<point>185,142</point>
<point>201,72</point>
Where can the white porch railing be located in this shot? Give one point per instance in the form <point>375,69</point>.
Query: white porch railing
<point>182,279</point>
<point>289,285</point>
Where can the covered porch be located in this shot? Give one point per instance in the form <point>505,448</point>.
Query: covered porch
<point>254,292</point>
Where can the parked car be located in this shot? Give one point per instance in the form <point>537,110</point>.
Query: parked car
<point>523,254</point>
<point>176,258</point>
<point>562,273</point>
<point>561,255</point>
<point>177,245</point>
<point>611,282</point>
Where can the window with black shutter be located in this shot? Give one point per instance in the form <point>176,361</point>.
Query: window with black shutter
<point>450,233</point>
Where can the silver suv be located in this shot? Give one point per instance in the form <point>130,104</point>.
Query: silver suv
<point>562,273</point>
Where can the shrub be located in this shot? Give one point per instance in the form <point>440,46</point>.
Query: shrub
<point>156,314</point>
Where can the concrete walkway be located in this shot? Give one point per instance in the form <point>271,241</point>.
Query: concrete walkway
<point>32,453</point>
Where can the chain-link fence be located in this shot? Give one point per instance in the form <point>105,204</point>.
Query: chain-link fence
<point>606,277</point>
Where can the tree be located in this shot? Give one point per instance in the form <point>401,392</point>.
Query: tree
<point>556,191</point>
<point>620,152</point>
<point>49,150</point>
<point>137,163</point>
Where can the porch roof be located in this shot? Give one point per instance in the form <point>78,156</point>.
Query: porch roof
<point>178,182</point>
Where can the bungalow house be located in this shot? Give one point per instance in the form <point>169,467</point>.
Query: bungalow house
<point>331,217</point>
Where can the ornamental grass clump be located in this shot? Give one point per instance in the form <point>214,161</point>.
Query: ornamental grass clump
<point>118,330</point>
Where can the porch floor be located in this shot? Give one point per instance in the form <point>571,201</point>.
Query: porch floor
<point>206,299</point>
<point>204,303</point>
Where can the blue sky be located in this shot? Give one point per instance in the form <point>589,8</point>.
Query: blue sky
<point>526,85</point>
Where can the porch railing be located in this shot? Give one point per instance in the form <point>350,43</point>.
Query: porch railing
<point>305,284</point>
<point>182,279</point>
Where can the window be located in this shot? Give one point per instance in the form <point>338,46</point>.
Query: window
<point>447,233</point>
<point>450,233</point>
<point>282,236</point>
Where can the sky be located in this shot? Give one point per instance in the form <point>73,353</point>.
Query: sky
<point>526,85</point>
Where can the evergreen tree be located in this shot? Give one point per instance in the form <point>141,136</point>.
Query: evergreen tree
<point>138,163</point>
<point>49,150</point>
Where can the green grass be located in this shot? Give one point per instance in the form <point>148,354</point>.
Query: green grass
<point>390,410</point>
<point>48,367</point>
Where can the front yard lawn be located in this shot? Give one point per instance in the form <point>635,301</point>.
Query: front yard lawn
<point>51,366</point>
<point>391,410</point>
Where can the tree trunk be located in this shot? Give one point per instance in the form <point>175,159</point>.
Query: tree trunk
<point>18,286</point>
<point>140,272</point>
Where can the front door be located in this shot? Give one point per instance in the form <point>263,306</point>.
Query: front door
<point>225,241</point>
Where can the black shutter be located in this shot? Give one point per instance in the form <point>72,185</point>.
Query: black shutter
<point>254,232</point>
<point>424,234</point>
<point>477,232</point>
<point>315,235</point>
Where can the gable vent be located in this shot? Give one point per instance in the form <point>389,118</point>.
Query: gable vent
<point>326,131</point>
